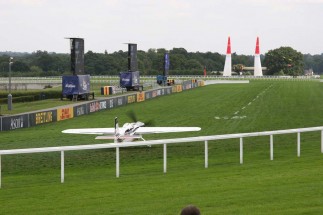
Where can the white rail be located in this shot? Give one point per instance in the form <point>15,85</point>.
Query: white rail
<point>164,142</point>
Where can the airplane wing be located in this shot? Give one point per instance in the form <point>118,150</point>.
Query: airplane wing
<point>156,130</point>
<point>125,137</point>
<point>97,131</point>
<point>139,131</point>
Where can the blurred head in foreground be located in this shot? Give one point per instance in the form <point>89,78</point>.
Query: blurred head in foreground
<point>190,210</point>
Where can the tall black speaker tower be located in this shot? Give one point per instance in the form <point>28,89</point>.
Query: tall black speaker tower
<point>132,57</point>
<point>77,56</point>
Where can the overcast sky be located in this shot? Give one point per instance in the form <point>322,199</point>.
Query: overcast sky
<point>196,25</point>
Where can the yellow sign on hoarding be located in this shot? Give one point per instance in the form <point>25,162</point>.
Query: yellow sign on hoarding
<point>44,117</point>
<point>131,99</point>
<point>141,97</point>
<point>65,113</point>
<point>179,88</point>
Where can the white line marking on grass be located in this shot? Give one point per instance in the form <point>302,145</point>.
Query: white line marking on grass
<point>250,103</point>
<point>226,118</point>
<point>239,117</point>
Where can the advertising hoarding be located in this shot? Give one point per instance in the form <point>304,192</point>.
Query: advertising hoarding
<point>15,122</point>
<point>65,113</point>
<point>42,117</point>
<point>75,84</point>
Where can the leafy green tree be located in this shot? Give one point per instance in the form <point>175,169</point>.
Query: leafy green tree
<point>284,60</point>
<point>44,60</point>
<point>180,51</point>
<point>19,66</point>
<point>36,71</point>
<point>177,61</point>
<point>193,64</point>
<point>246,60</point>
<point>151,62</point>
<point>314,62</point>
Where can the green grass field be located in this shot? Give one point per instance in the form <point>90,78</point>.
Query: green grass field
<point>286,185</point>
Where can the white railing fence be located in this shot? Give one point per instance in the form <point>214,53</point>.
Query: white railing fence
<point>164,142</point>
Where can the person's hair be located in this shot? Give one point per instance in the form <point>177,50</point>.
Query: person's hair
<point>190,210</point>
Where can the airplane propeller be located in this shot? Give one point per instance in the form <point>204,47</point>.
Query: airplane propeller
<point>133,116</point>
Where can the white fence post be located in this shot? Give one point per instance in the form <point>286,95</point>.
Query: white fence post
<point>206,154</point>
<point>271,147</point>
<point>241,150</point>
<point>298,144</point>
<point>62,166</point>
<point>321,141</point>
<point>165,158</point>
<point>117,162</point>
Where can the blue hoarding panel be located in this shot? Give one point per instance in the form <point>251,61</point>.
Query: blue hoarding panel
<point>76,84</point>
<point>129,79</point>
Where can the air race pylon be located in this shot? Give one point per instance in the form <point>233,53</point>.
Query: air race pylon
<point>257,63</point>
<point>227,65</point>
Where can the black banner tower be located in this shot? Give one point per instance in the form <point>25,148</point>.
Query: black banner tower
<point>77,55</point>
<point>132,57</point>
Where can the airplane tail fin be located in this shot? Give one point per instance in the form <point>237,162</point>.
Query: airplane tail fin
<point>116,129</point>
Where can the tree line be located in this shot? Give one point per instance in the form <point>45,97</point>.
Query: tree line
<point>281,61</point>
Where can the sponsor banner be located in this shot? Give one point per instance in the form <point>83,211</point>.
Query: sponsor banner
<point>161,92</point>
<point>154,94</point>
<point>65,113</point>
<point>121,100</point>
<point>93,107</point>
<point>80,110</point>
<point>141,97</point>
<point>179,88</point>
<point>111,103</point>
<point>187,82</point>
<point>201,83</point>
<point>97,106</point>
<point>147,95</point>
<point>168,91</point>
<point>166,64</point>
<point>187,86</point>
<point>42,117</point>
<point>131,99</point>
<point>174,89</point>
<point>15,122</point>
<point>102,105</point>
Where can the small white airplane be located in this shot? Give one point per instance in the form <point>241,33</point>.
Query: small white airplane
<point>128,132</point>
